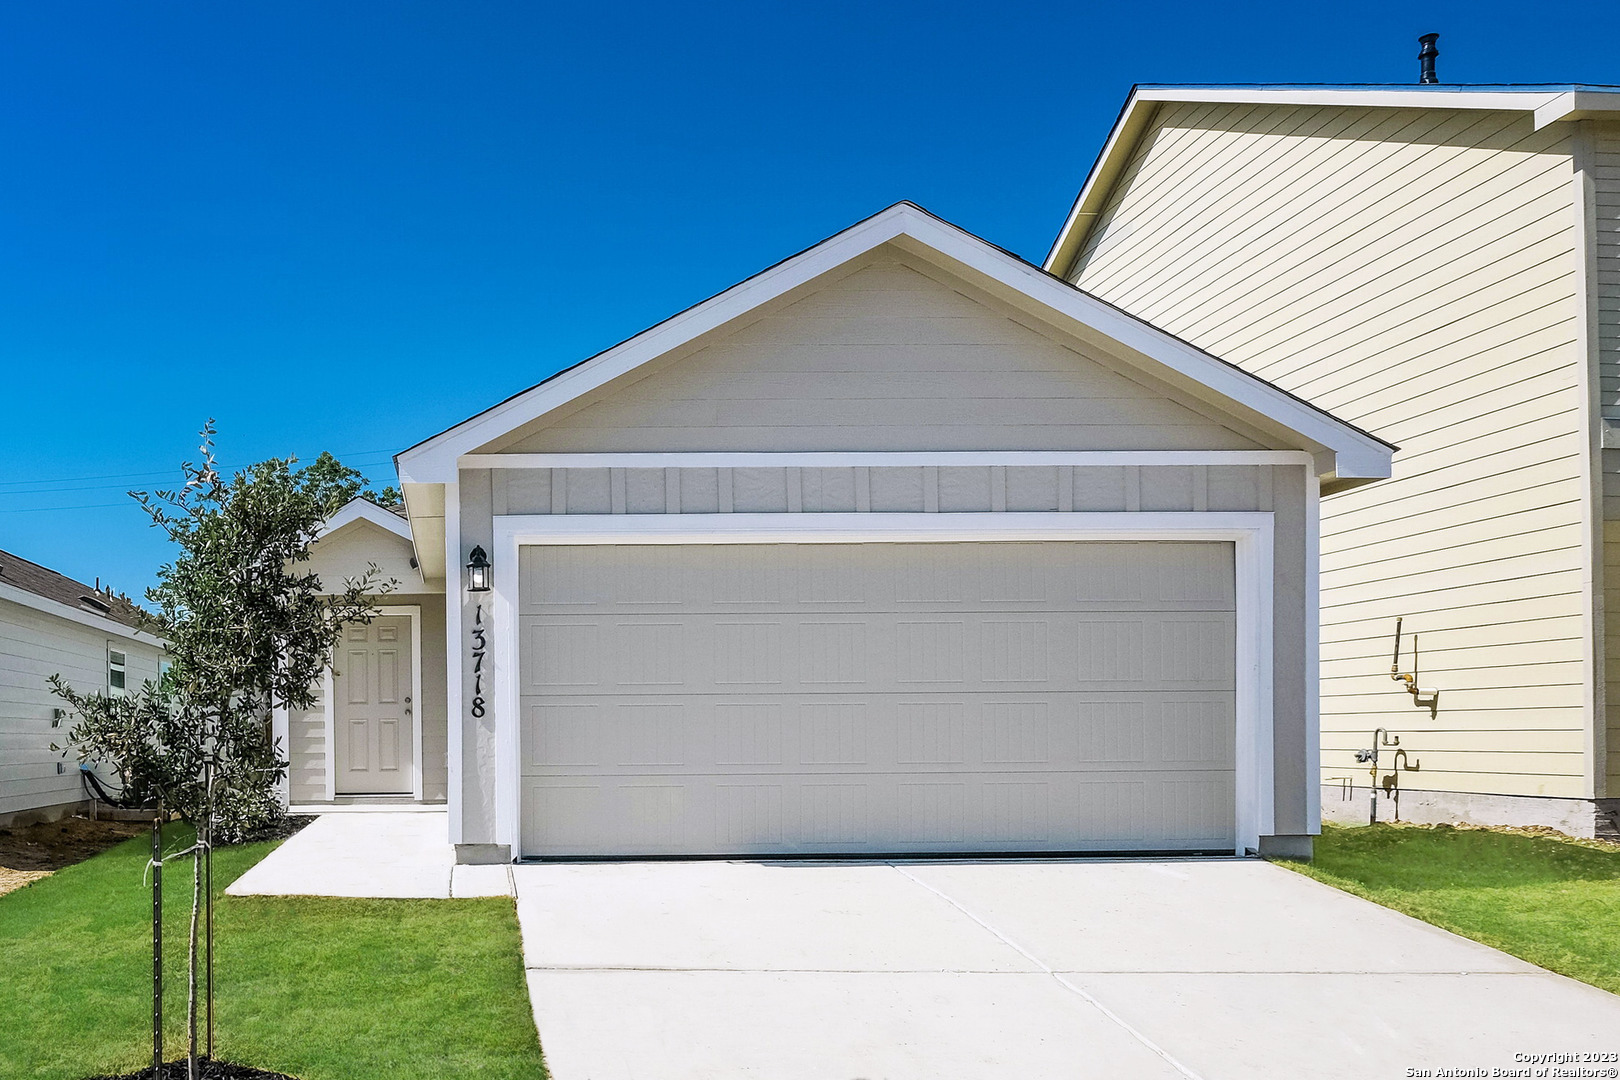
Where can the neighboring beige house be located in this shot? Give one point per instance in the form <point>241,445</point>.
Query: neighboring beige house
<point>901,545</point>
<point>1441,266</point>
<point>53,625</point>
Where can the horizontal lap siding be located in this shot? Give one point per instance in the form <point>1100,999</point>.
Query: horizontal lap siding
<point>884,358</point>
<point>34,646</point>
<point>1414,272</point>
<point>306,754</point>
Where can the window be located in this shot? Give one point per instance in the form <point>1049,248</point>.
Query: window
<point>117,672</point>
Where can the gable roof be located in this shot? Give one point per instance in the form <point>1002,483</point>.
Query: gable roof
<point>69,598</point>
<point>1547,102</point>
<point>361,508</point>
<point>1353,453</point>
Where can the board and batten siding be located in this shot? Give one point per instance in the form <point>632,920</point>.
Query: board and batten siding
<point>1604,219</point>
<point>1278,489</point>
<point>1414,272</point>
<point>33,647</point>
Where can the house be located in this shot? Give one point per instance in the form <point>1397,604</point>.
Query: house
<point>378,731</point>
<point>1440,265</point>
<point>53,625</point>
<point>901,545</point>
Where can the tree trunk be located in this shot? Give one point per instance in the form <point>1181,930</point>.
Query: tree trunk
<point>157,942</point>
<point>191,982</point>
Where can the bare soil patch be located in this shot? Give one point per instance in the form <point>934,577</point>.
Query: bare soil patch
<point>29,852</point>
<point>207,1070</point>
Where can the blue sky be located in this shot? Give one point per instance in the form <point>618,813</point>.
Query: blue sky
<point>347,226</point>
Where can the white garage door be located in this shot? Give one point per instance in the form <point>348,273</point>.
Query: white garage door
<point>871,698</point>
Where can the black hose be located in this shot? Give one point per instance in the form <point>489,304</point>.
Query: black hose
<point>94,788</point>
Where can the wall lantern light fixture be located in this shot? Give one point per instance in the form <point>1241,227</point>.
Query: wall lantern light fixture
<point>478,571</point>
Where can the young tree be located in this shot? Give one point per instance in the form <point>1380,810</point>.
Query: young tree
<point>249,630</point>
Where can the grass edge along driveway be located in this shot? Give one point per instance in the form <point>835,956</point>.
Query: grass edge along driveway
<point>323,989</point>
<point>1545,898</point>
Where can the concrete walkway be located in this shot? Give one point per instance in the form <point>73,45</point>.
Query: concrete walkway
<point>381,853</point>
<point>1081,968</point>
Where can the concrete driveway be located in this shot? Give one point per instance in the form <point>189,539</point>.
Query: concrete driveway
<point>1064,968</point>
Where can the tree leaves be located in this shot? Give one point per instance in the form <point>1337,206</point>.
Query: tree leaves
<point>249,630</point>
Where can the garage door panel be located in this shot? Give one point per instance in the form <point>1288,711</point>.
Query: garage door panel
<point>825,699</point>
<point>713,737</point>
<point>879,651</point>
<point>697,579</point>
<point>847,815</point>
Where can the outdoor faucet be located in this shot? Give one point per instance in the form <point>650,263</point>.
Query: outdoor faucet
<point>1381,737</point>
<point>1422,698</point>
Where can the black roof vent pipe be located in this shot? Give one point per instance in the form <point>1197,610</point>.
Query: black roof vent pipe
<point>1426,58</point>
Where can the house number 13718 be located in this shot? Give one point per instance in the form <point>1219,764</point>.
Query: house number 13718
<point>478,645</point>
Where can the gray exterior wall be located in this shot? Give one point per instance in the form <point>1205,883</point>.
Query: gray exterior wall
<point>1279,490</point>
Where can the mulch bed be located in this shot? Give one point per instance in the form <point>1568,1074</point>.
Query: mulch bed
<point>208,1070</point>
<point>52,845</point>
<point>282,829</point>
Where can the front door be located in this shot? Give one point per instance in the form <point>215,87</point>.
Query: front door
<point>371,698</point>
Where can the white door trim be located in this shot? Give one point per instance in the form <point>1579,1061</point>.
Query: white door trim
<point>414,612</point>
<point>280,739</point>
<point>1250,533</point>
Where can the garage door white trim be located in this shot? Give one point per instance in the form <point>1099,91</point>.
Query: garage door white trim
<point>1250,534</point>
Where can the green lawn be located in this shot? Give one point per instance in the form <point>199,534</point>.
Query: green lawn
<point>1554,902</point>
<point>320,989</point>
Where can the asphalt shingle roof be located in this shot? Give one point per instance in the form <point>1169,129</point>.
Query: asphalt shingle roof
<point>21,573</point>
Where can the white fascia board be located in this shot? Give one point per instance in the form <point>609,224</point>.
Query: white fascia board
<point>77,615</point>
<point>1576,105</point>
<point>1413,97</point>
<point>881,459</point>
<point>366,510</point>
<point>1110,161</point>
<point>1230,381</point>
<point>1547,106</point>
<point>437,460</point>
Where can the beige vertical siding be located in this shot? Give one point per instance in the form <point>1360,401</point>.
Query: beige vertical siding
<point>1416,273</point>
<point>1605,217</point>
<point>33,647</point>
<point>1606,167</point>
